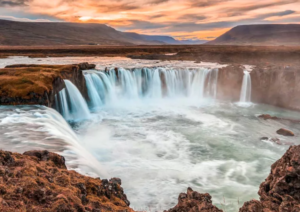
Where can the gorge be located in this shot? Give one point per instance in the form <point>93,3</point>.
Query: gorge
<point>161,126</point>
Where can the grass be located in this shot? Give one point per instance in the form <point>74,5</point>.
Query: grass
<point>23,80</point>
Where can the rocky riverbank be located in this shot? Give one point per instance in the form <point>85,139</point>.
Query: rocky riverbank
<point>38,84</point>
<point>40,181</point>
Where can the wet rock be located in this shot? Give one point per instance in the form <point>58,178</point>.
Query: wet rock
<point>267,116</point>
<point>285,132</point>
<point>281,189</point>
<point>193,201</point>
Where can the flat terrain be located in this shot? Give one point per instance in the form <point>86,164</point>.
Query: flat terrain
<point>209,53</point>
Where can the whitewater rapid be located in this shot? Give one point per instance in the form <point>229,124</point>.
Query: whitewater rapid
<point>159,143</point>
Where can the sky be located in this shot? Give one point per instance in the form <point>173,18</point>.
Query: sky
<point>182,19</point>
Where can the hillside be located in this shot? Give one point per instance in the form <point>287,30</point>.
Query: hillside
<point>61,33</point>
<point>264,35</point>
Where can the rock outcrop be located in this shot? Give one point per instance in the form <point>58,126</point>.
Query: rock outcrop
<point>281,190</point>
<point>193,201</point>
<point>38,84</point>
<point>39,181</point>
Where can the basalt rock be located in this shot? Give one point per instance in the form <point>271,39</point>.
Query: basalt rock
<point>38,84</point>
<point>230,81</point>
<point>39,181</point>
<point>276,85</point>
<point>281,190</point>
<point>285,132</point>
<point>193,201</point>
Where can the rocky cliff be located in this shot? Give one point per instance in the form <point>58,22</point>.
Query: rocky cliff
<point>276,85</point>
<point>281,189</point>
<point>39,181</point>
<point>38,84</point>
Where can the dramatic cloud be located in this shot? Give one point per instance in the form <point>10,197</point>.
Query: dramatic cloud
<point>184,19</point>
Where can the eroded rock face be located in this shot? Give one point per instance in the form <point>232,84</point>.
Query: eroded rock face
<point>281,190</point>
<point>39,181</point>
<point>276,85</point>
<point>193,201</point>
<point>230,81</point>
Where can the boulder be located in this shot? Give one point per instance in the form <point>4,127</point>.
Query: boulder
<point>193,201</point>
<point>285,132</point>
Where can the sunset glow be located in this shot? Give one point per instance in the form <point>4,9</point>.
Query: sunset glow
<point>201,19</point>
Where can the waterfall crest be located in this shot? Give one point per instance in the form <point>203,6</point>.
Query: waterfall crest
<point>152,83</point>
<point>246,88</point>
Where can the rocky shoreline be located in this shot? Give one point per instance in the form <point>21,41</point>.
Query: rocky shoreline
<point>40,181</point>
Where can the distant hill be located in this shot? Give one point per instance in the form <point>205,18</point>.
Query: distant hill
<point>171,40</point>
<point>268,34</point>
<point>14,33</point>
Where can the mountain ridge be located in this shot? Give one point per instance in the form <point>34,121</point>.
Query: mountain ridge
<point>14,33</point>
<point>261,34</point>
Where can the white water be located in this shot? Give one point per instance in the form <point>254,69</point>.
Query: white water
<point>246,88</point>
<point>72,105</point>
<point>197,85</point>
<point>159,141</point>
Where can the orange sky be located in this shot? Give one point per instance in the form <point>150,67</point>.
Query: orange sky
<point>183,19</point>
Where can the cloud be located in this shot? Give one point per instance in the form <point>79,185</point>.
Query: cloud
<point>13,3</point>
<point>190,18</point>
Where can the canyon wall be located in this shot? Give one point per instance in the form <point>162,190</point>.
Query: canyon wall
<point>38,84</point>
<point>276,85</point>
<point>230,81</point>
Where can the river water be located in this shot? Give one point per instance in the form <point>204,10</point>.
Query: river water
<point>157,146</point>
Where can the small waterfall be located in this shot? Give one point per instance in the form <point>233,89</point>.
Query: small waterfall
<point>246,88</point>
<point>71,104</point>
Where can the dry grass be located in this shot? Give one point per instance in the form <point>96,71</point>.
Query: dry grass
<point>21,81</point>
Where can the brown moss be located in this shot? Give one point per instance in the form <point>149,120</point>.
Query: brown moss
<point>39,181</point>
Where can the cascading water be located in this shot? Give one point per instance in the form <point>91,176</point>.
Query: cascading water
<point>95,100</point>
<point>71,104</point>
<point>150,83</point>
<point>245,96</point>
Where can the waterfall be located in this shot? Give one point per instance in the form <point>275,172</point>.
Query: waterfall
<point>71,104</point>
<point>153,83</point>
<point>110,86</point>
<point>246,88</point>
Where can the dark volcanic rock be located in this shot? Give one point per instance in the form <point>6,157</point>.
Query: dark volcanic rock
<point>193,201</point>
<point>285,132</point>
<point>281,190</point>
<point>39,181</point>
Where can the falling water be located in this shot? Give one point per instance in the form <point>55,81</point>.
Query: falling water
<point>246,88</point>
<point>94,96</point>
<point>150,83</point>
<point>71,103</point>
